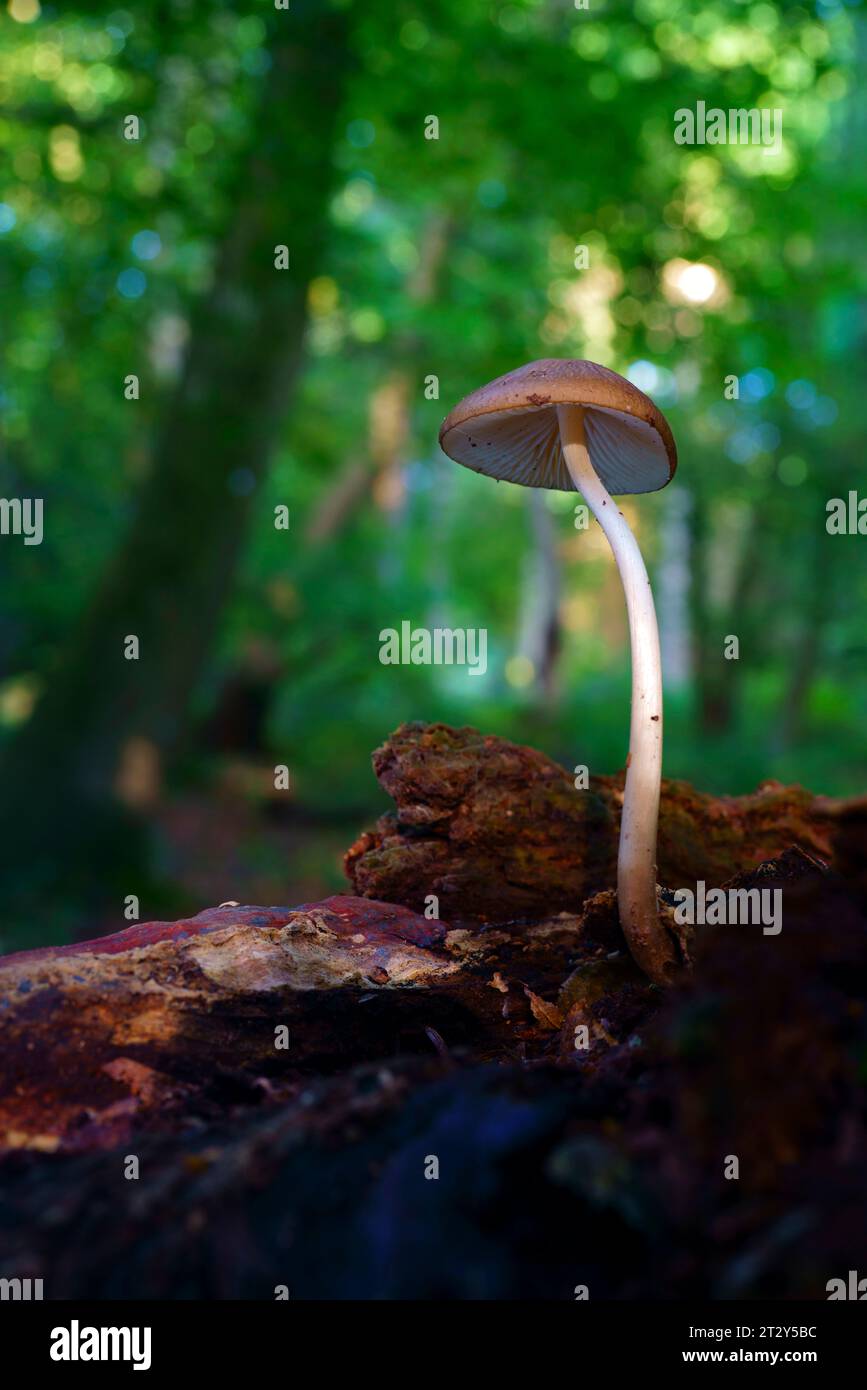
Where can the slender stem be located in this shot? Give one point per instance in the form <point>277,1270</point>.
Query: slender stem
<point>636,862</point>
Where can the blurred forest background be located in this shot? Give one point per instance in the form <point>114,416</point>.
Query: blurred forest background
<point>409,258</point>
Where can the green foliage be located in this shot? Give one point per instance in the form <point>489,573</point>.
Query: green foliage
<point>454,257</point>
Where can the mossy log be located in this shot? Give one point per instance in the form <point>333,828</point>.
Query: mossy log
<point>496,831</point>
<point>557,1166</point>
<point>581,1118</point>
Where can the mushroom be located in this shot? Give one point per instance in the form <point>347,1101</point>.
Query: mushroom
<point>576,426</point>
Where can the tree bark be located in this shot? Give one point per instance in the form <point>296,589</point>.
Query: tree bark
<point>497,831</point>
<point>168,1021</point>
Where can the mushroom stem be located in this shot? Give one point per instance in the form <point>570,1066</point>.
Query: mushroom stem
<point>648,941</point>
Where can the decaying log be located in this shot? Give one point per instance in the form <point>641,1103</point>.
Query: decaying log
<point>581,1119</point>
<point>168,1022</point>
<point>497,831</point>
<point>552,1172</point>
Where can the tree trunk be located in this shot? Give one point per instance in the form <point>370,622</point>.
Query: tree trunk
<point>715,676</point>
<point>539,637</point>
<point>806,649</point>
<point>389,409</point>
<point>169,580</point>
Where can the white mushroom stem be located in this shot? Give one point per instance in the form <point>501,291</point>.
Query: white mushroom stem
<point>636,861</point>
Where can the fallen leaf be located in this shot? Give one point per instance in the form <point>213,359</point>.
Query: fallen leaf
<point>547,1014</point>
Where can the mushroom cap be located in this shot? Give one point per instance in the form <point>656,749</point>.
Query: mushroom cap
<point>509,428</point>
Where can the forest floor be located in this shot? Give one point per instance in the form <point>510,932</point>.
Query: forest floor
<point>452,1081</point>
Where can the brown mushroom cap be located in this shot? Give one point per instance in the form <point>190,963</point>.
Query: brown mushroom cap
<point>509,428</point>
